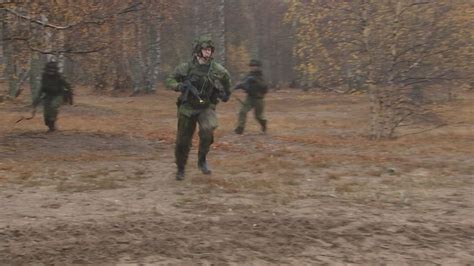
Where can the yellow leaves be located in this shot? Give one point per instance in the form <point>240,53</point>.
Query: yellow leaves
<point>335,38</point>
<point>238,57</point>
<point>293,7</point>
<point>312,30</point>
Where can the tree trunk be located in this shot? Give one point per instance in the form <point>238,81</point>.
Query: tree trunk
<point>10,64</point>
<point>152,51</point>
<point>122,80</point>
<point>36,67</point>
<point>38,60</point>
<point>2,44</point>
<point>60,55</point>
<point>140,64</point>
<point>156,63</point>
<point>222,37</point>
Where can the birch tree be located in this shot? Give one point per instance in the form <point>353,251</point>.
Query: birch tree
<point>392,44</point>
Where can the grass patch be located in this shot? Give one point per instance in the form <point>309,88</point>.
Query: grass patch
<point>97,180</point>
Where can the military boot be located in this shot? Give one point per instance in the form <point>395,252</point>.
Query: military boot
<point>239,130</point>
<point>51,125</point>
<point>180,174</point>
<point>263,123</point>
<point>202,165</point>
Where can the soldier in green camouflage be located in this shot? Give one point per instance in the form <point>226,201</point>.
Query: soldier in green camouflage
<point>256,88</point>
<point>54,91</point>
<point>202,83</point>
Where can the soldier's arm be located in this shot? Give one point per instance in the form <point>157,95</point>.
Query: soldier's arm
<point>224,79</point>
<point>68,95</point>
<point>244,83</point>
<point>65,84</point>
<point>177,77</point>
<point>239,85</point>
<point>265,88</point>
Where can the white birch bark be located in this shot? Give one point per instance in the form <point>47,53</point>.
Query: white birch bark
<point>222,39</point>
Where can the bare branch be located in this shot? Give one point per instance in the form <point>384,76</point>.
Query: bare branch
<point>67,51</point>
<point>100,21</point>
<point>15,39</point>
<point>36,21</point>
<point>132,8</point>
<point>414,4</point>
<point>423,131</point>
<point>428,78</point>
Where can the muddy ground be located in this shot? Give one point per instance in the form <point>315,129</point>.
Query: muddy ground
<point>313,190</point>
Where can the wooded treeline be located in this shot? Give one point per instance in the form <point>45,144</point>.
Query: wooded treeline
<point>382,47</point>
<point>132,45</point>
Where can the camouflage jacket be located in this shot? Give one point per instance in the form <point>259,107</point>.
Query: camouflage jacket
<point>209,80</point>
<point>253,84</point>
<point>53,85</point>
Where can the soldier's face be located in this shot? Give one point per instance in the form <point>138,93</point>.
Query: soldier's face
<point>206,52</point>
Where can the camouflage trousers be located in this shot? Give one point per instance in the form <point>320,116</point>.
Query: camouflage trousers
<point>51,106</point>
<point>207,121</point>
<point>249,104</point>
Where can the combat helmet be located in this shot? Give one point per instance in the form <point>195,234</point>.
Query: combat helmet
<point>202,42</point>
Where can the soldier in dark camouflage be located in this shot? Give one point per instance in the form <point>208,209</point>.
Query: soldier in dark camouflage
<point>256,88</point>
<point>198,81</point>
<point>54,90</point>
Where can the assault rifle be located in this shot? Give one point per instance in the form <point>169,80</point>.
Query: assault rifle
<point>187,88</point>
<point>244,84</point>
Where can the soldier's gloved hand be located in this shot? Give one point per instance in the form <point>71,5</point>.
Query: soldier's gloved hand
<point>180,87</point>
<point>225,97</point>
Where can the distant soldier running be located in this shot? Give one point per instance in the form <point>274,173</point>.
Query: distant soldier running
<point>256,88</point>
<point>54,91</point>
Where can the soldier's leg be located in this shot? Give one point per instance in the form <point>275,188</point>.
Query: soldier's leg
<point>207,124</point>
<point>51,110</point>
<point>244,109</point>
<point>47,114</point>
<point>259,107</point>
<point>184,137</point>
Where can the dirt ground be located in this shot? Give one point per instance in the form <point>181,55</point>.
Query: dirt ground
<point>312,191</point>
